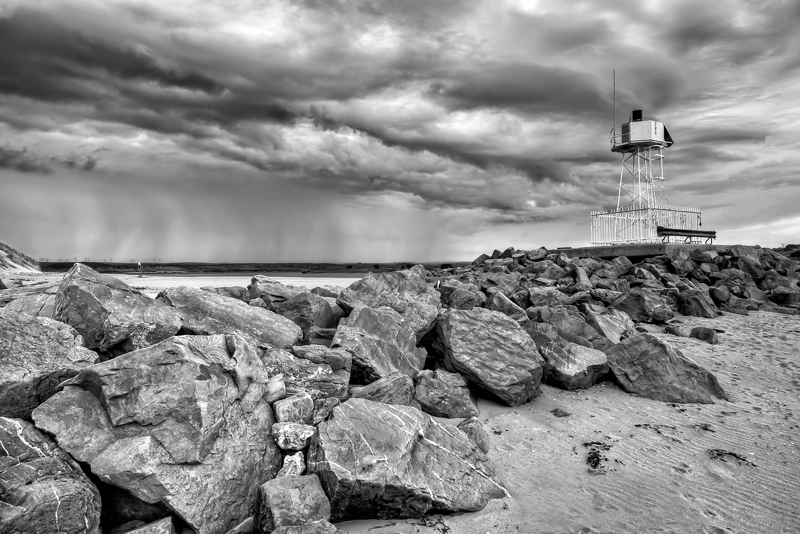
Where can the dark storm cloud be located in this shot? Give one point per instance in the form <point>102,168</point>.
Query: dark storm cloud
<point>526,87</point>
<point>22,160</point>
<point>26,160</point>
<point>210,94</point>
<point>44,60</point>
<point>40,58</point>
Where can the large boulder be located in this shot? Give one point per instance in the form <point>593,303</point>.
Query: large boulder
<point>444,394</point>
<point>648,367</point>
<point>205,313</point>
<point>290,501</point>
<point>161,423</point>
<point>697,303</point>
<point>42,489</point>
<point>36,354</point>
<point>377,460</point>
<point>567,365</point>
<point>643,306</point>
<point>492,352</point>
<point>322,375</point>
<point>111,316</point>
<point>382,344</point>
<point>407,292</point>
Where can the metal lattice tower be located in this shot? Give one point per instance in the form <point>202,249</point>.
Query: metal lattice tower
<point>642,201</point>
<point>641,179</point>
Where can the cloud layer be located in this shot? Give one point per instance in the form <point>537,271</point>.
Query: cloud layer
<point>380,130</point>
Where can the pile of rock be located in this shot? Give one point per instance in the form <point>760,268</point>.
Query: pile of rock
<point>277,409</point>
<point>208,412</point>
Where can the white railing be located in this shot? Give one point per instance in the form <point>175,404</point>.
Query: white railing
<point>638,225</point>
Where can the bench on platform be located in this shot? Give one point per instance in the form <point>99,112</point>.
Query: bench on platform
<point>666,233</point>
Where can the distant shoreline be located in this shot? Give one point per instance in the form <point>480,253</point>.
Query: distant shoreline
<point>189,268</point>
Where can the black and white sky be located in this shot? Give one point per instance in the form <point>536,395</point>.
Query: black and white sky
<point>382,130</point>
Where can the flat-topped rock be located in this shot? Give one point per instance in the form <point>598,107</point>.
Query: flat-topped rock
<point>204,313</point>
<point>378,460</point>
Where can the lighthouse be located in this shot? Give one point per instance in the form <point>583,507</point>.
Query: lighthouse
<point>643,213</point>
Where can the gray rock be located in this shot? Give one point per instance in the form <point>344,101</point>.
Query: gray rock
<point>706,334</point>
<point>396,389</point>
<point>293,464</point>
<point>36,354</point>
<point>455,294</point>
<point>305,376</point>
<point>339,360</point>
<point>444,394</point>
<point>643,306</point>
<point>568,365</point>
<point>38,300</point>
<point>292,436</point>
<point>276,389</point>
<point>42,489</point>
<point>205,313</point>
<point>570,324</point>
<point>111,316</point>
<point>245,527</point>
<point>697,303</point>
<point>323,409</point>
<point>162,526</point>
<point>546,296</point>
<point>615,325</point>
<point>381,342</point>
<point>499,302</point>
<point>378,460</point>
<point>299,408</point>
<point>290,501</point>
<point>492,352</point>
<point>271,291</point>
<point>720,295</point>
<point>315,527</point>
<point>161,422</point>
<point>327,291</point>
<point>648,367</point>
<point>407,292</point>
<point>306,310</point>
<point>475,431</point>
<point>234,292</point>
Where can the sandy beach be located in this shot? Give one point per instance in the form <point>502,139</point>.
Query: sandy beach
<point>658,474</point>
<point>662,467</point>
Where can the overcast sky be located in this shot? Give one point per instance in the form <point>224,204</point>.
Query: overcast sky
<point>389,130</point>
